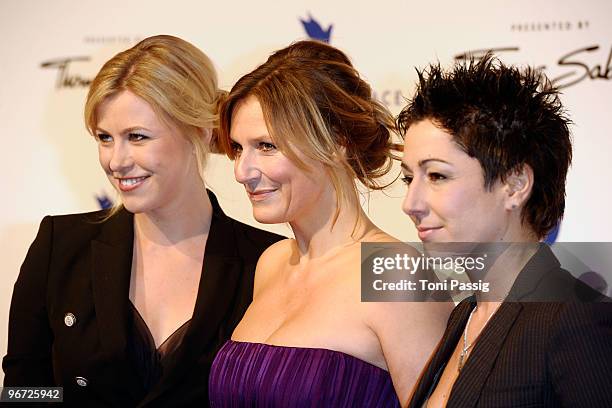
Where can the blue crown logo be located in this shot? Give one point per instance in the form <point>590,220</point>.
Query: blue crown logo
<point>104,201</point>
<point>315,31</point>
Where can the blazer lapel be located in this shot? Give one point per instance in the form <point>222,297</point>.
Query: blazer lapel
<point>221,274</point>
<point>111,270</point>
<point>220,277</point>
<point>429,376</point>
<point>468,386</point>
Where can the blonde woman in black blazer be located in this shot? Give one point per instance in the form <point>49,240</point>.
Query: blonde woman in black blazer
<point>127,307</point>
<point>486,153</point>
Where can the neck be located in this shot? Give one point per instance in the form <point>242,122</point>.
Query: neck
<point>517,231</point>
<point>186,218</point>
<point>321,232</point>
<point>508,260</point>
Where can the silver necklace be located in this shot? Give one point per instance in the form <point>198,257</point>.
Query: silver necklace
<point>464,350</point>
<point>466,346</point>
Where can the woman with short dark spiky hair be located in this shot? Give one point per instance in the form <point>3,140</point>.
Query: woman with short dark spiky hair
<point>486,153</point>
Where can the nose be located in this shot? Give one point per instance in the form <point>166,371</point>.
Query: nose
<point>121,159</point>
<point>415,201</point>
<point>246,170</point>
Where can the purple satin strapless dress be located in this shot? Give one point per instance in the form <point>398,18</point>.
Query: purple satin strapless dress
<point>262,375</point>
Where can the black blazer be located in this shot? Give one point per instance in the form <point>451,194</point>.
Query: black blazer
<point>80,266</point>
<point>556,353</point>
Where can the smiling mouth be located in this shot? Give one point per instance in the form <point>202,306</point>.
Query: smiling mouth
<point>425,233</point>
<point>131,183</point>
<point>260,195</point>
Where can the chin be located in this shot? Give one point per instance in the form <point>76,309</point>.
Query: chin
<point>135,207</point>
<point>268,217</point>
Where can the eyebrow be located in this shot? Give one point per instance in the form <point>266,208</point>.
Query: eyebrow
<point>128,130</point>
<point>423,162</point>
<point>261,138</point>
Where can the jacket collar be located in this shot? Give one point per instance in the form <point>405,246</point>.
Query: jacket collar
<point>538,278</point>
<point>430,375</point>
<point>531,281</point>
<point>111,269</point>
<point>468,386</point>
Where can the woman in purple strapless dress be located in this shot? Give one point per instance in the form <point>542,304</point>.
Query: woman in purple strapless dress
<point>304,131</point>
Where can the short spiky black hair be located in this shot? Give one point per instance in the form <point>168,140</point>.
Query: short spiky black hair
<point>504,117</point>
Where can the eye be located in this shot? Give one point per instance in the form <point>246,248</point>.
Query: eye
<point>236,149</point>
<point>436,177</point>
<point>104,138</point>
<point>266,147</point>
<point>407,179</point>
<point>137,137</point>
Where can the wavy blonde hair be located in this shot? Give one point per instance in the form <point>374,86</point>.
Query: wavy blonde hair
<point>175,78</point>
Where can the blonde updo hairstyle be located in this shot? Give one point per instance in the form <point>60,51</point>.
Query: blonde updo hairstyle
<point>315,102</point>
<point>174,77</point>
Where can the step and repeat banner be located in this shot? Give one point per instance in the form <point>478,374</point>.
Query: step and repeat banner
<point>50,51</point>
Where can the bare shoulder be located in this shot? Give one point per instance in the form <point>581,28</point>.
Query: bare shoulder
<point>277,253</point>
<point>374,244</point>
<point>271,263</point>
<point>408,333</point>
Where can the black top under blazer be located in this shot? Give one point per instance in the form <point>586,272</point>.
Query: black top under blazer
<point>82,266</point>
<point>531,353</point>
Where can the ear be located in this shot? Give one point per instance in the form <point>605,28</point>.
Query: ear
<point>518,186</point>
<point>206,136</point>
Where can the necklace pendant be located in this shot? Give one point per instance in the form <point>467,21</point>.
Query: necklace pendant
<point>461,359</point>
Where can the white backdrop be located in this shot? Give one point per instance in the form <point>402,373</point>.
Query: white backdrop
<point>49,162</point>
